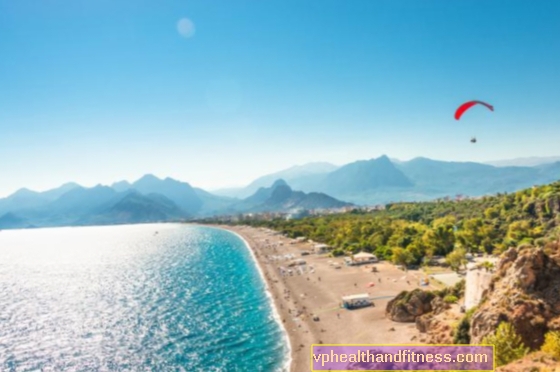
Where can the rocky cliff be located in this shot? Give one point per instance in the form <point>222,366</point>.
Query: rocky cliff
<point>524,292</point>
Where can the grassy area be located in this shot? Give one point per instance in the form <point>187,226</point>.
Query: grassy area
<point>431,270</point>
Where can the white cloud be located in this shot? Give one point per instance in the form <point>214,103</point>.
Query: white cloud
<point>185,27</point>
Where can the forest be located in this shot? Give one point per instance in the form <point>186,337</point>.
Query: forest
<point>410,233</point>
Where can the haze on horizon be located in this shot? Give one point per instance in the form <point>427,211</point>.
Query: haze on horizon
<point>220,93</point>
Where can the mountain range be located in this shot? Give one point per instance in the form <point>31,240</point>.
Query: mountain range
<point>149,199</point>
<point>311,186</point>
<point>524,162</point>
<point>383,180</point>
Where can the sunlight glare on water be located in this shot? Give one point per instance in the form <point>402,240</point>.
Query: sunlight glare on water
<point>133,298</point>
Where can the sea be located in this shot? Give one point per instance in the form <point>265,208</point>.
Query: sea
<point>152,297</point>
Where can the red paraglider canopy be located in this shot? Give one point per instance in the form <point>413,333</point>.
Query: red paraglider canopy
<point>467,105</point>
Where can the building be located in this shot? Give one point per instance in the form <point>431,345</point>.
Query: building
<point>476,282</point>
<point>356,301</point>
<point>321,248</point>
<point>362,258</point>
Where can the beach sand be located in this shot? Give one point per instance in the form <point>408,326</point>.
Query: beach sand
<point>317,291</point>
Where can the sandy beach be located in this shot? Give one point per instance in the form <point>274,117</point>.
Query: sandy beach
<point>316,288</point>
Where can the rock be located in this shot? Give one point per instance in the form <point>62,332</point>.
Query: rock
<point>524,292</point>
<point>423,322</point>
<point>439,306</point>
<point>538,361</point>
<point>407,306</point>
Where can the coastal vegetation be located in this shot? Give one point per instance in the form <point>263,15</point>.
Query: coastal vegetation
<point>413,233</point>
<point>551,344</point>
<point>462,335</point>
<point>508,345</point>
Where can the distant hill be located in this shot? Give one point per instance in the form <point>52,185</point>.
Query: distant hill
<point>121,186</point>
<point>318,185</point>
<point>524,162</point>
<point>439,178</point>
<point>11,221</point>
<point>25,198</point>
<point>148,199</point>
<point>301,177</point>
<point>363,176</point>
<point>281,198</point>
<point>382,180</point>
<point>181,193</point>
<point>259,197</point>
<point>88,206</point>
<point>134,208</point>
<point>212,204</point>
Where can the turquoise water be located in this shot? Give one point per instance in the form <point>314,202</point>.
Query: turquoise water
<point>134,298</point>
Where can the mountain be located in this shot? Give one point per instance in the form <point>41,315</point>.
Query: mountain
<point>56,193</point>
<point>212,204</point>
<point>25,198</point>
<point>524,162</point>
<point>93,206</point>
<point>362,176</point>
<point>264,193</point>
<point>302,177</point>
<point>148,199</point>
<point>181,193</point>
<point>284,199</point>
<point>382,180</point>
<point>134,207</point>
<point>121,186</point>
<point>319,185</point>
<point>11,221</point>
<point>439,178</point>
<point>82,199</point>
<point>281,198</point>
<point>71,206</point>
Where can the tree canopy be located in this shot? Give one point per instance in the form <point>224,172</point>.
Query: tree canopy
<point>408,232</point>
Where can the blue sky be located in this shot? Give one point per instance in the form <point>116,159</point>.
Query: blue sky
<point>99,91</point>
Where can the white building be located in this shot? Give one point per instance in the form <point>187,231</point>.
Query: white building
<point>476,282</point>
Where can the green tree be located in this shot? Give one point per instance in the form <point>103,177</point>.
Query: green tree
<point>440,239</point>
<point>402,257</point>
<point>472,234</point>
<point>551,344</point>
<point>508,345</point>
<point>456,259</point>
<point>462,333</point>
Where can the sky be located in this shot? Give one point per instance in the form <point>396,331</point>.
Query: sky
<point>217,93</point>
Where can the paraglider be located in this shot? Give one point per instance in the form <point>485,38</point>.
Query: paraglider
<point>466,106</point>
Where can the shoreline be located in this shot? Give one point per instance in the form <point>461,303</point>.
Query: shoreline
<point>289,358</point>
<point>315,290</point>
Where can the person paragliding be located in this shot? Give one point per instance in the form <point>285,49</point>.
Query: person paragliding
<point>466,106</point>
